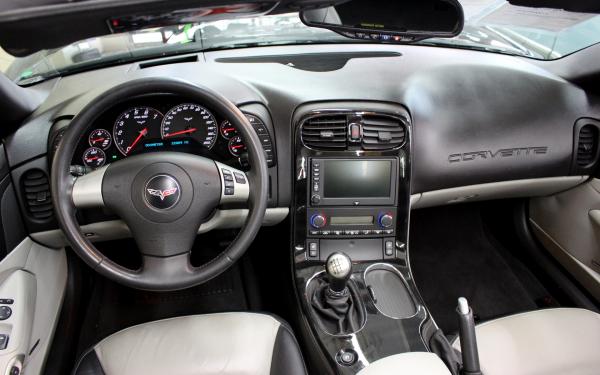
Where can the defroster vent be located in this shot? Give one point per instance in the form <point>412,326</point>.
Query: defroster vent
<point>587,145</point>
<point>326,132</point>
<point>36,192</point>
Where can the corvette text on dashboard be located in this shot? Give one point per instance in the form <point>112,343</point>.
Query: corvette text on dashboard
<point>498,154</point>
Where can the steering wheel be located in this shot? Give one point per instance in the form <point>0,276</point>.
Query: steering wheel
<point>163,197</point>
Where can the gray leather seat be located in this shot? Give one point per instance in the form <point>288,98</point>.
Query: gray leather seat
<point>550,342</point>
<point>227,343</point>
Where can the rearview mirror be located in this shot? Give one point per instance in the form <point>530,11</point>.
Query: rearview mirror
<point>396,21</point>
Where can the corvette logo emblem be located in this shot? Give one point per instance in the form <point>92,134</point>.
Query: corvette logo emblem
<point>162,194</point>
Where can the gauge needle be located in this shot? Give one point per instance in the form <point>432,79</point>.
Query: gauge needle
<point>143,133</point>
<point>180,132</point>
<point>236,147</point>
<point>97,139</point>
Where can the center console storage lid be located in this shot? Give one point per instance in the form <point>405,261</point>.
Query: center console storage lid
<point>414,363</point>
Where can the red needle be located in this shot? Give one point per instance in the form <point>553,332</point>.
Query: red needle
<point>180,132</point>
<point>97,139</point>
<point>92,159</point>
<point>143,133</point>
<point>236,147</point>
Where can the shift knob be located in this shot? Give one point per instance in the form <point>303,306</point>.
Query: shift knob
<point>339,268</point>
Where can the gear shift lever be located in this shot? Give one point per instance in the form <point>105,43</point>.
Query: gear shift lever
<point>335,300</point>
<point>339,268</point>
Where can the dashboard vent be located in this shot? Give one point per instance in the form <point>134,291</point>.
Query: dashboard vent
<point>381,132</point>
<point>587,145</point>
<point>36,191</point>
<point>325,132</point>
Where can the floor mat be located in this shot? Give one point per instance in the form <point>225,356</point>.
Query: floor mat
<point>114,307</point>
<point>452,256</point>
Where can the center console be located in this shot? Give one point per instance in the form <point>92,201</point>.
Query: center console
<point>352,201</point>
<point>352,206</point>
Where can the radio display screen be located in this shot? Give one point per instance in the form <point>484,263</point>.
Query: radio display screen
<point>357,178</point>
<point>351,220</point>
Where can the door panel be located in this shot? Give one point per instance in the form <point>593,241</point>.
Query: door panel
<point>12,230</point>
<point>567,225</point>
<point>32,276</point>
<point>35,278</point>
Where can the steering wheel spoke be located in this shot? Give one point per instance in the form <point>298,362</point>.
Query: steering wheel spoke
<point>166,268</point>
<point>87,189</point>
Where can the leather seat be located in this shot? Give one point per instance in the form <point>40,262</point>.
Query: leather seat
<point>561,341</point>
<point>227,343</point>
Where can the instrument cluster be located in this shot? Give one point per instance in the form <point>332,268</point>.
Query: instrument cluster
<point>155,124</point>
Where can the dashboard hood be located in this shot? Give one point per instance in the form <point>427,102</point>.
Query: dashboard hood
<point>47,24</point>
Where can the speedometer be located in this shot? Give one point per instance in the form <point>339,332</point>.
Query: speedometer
<point>134,127</point>
<point>190,121</point>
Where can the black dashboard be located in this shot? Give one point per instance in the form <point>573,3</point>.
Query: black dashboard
<point>476,118</point>
<point>157,123</point>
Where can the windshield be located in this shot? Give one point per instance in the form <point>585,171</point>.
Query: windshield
<point>490,25</point>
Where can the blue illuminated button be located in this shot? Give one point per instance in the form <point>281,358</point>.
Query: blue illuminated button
<point>385,220</point>
<point>318,221</point>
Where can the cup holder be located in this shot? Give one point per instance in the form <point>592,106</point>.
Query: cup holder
<point>390,292</point>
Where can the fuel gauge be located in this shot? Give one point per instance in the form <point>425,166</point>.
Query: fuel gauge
<point>227,130</point>
<point>94,157</point>
<point>100,138</point>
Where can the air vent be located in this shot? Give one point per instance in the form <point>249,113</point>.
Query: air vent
<point>326,132</point>
<point>36,191</point>
<point>381,132</point>
<point>587,145</point>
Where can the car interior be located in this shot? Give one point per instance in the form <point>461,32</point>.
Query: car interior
<point>300,187</point>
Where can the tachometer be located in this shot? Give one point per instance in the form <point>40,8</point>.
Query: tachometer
<point>100,138</point>
<point>190,121</point>
<point>94,157</point>
<point>135,126</point>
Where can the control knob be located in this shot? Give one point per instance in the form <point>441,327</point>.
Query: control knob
<point>386,220</point>
<point>318,221</point>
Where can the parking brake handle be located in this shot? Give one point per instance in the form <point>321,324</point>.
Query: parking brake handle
<point>468,341</point>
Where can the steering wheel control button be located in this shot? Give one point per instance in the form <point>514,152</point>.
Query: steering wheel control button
<point>228,182</point>
<point>346,357</point>
<point>162,192</point>
<point>239,178</point>
<point>5,312</point>
<point>6,301</point>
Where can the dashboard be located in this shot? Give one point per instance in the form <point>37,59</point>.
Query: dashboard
<point>469,128</point>
<point>166,123</point>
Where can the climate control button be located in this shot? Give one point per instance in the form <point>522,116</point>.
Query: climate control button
<point>385,220</point>
<point>318,221</point>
